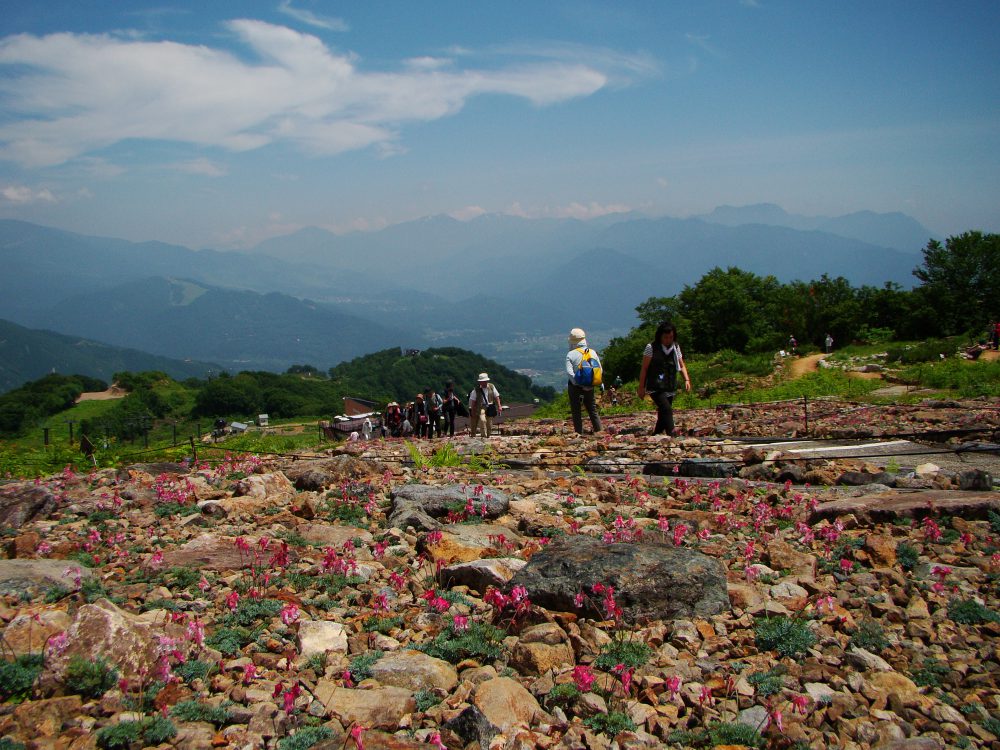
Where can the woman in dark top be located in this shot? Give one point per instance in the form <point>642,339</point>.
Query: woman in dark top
<point>662,360</point>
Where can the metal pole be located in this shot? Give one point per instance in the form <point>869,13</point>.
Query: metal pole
<point>45,432</point>
<point>194,449</point>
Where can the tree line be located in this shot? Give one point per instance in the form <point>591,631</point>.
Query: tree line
<point>732,309</point>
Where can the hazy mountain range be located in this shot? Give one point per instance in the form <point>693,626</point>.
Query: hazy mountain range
<point>504,286</point>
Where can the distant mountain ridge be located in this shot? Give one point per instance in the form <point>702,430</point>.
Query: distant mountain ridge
<point>504,286</point>
<point>27,354</point>
<point>893,230</point>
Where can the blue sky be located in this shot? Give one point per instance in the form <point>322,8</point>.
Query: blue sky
<point>222,124</point>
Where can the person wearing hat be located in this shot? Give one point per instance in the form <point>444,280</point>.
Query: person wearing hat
<point>581,394</point>
<point>484,405</point>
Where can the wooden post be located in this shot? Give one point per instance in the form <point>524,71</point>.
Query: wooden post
<point>194,449</point>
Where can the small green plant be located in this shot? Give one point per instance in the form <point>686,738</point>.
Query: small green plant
<point>197,711</point>
<point>250,611</point>
<point>231,641</point>
<point>6,743</point>
<point>787,636</point>
<point>150,731</point>
<point>317,663</point>
<point>994,519</point>
<point>734,733</point>
<point>90,678</point>
<point>446,455</point>
<point>361,666</point>
<point>194,669</point>
<point>767,683</point>
<point>870,636</point>
<point>970,612</point>
<point>18,676</point>
<point>305,738</point>
<point>419,462</point>
<point>992,726</point>
<point>623,651</point>
<point>478,641</point>
<point>55,593</point>
<point>892,466</point>
<point>929,673</point>
<point>383,625</point>
<point>611,724</point>
<point>562,695</point>
<point>426,699</point>
<point>165,510</point>
<point>907,555</point>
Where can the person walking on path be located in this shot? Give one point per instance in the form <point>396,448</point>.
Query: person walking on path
<point>450,408</point>
<point>581,394</point>
<point>484,405</point>
<point>829,343</point>
<point>661,361</point>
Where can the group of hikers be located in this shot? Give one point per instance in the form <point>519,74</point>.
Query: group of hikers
<point>432,414</point>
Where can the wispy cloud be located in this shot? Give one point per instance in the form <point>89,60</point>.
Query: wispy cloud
<point>67,95</point>
<point>702,42</point>
<point>469,212</point>
<point>573,210</point>
<point>203,167</point>
<point>22,195</point>
<point>312,19</point>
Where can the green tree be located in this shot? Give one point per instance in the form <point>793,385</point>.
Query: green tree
<point>961,277</point>
<point>727,310</point>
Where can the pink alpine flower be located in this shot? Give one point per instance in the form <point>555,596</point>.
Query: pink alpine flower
<point>625,675</point>
<point>204,585</point>
<point>249,673</point>
<point>705,697</point>
<point>289,613</point>
<point>584,678</point>
<point>356,732</point>
<point>673,684</point>
<point>800,704</point>
<point>846,566</point>
<point>232,600</point>
<point>435,740</point>
<point>460,623</point>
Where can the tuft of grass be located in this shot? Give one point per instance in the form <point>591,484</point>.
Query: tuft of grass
<point>305,738</point>
<point>787,636</point>
<point>197,711</point>
<point>623,651</point>
<point>767,683</point>
<point>251,611</point>
<point>611,724</point>
<point>90,678</point>
<point>426,699</point>
<point>970,612</point>
<point>478,641</point>
<point>150,731</point>
<point>734,733</point>
<point>929,673</point>
<point>907,555</point>
<point>17,677</point>
<point>361,666</point>
<point>870,636</point>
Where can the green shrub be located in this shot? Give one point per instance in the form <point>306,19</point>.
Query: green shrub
<point>231,641</point>
<point>6,743</point>
<point>383,625</point>
<point>150,731</point>
<point>994,521</point>
<point>623,651</point>
<point>929,673</point>
<point>767,683</point>
<point>611,724</point>
<point>250,611</point>
<point>305,738</point>
<point>870,636</point>
<point>18,676</point>
<point>970,612</point>
<point>726,733</point>
<point>90,678</point>
<point>785,635</point>
<point>426,699</point>
<point>197,711</point>
<point>992,726</point>
<point>907,555</point>
<point>562,695</point>
<point>361,666</point>
<point>478,641</point>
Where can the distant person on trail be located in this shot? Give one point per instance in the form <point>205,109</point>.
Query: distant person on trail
<point>829,343</point>
<point>484,405</point>
<point>419,418</point>
<point>451,406</point>
<point>582,392</point>
<point>793,345</point>
<point>661,361</point>
<point>996,335</point>
<point>433,404</point>
<point>366,429</point>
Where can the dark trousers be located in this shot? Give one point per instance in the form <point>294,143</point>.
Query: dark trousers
<point>664,412</point>
<point>449,422</point>
<point>583,396</point>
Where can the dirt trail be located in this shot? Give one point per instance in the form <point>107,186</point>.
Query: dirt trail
<point>804,365</point>
<point>112,392</point>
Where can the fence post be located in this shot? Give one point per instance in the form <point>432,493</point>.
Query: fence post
<point>194,449</point>
<point>805,409</point>
<point>174,426</point>
<point>45,433</point>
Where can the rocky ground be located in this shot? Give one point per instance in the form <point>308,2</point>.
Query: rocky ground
<point>533,590</point>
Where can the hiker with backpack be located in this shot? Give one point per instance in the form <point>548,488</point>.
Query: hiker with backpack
<point>661,361</point>
<point>484,406</point>
<point>583,365</point>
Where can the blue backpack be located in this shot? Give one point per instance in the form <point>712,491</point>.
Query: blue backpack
<point>589,372</point>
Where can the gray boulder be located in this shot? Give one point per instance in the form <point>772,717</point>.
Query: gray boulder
<point>418,504</point>
<point>652,580</point>
<point>22,502</point>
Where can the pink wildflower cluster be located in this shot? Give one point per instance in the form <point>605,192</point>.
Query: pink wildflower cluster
<point>622,530</point>
<point>517,601</point>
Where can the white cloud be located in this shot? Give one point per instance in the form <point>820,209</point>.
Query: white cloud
<point>312,19</point>
<point>574,210</point>
<point>22,195</point>
<point>663,182</point>
<point>67,95</point>
<point>469,212</point>
<point>203,167</point>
